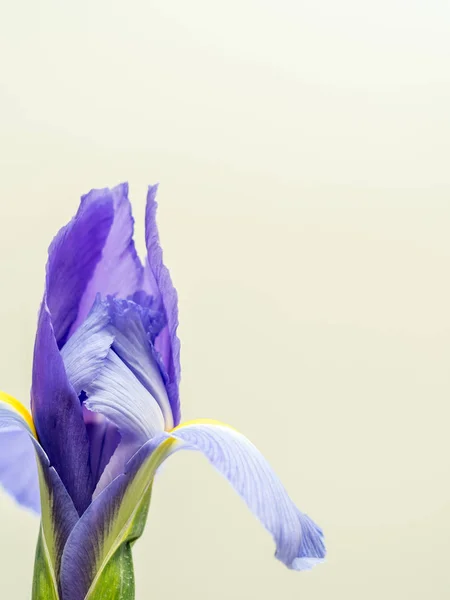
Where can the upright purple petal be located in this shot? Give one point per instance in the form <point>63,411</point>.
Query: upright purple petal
<point>159,284</point>
<point>119,272</point>
<point>73,258</point>
<point>58,416</point>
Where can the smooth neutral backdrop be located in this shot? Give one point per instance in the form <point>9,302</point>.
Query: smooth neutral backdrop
<point>303,153</point>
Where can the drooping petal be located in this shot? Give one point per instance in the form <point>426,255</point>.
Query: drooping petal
<point>58,416</point>
<point>299,541</point>
<point>119,272</point>
<point>18,469</point>
<point>58,515</point>
<point>134,327</point>
<point>73,257</point>
<point>116,517</point>
<point>159,284</point>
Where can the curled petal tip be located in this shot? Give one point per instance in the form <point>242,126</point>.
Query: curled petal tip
<point>305,563</point>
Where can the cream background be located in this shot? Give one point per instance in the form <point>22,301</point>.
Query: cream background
<point>303,150</point>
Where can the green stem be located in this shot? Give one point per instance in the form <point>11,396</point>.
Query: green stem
<point>115,579</point>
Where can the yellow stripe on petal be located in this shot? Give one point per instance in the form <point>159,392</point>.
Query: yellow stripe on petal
<point>19,408</point>
<point>202,422</point>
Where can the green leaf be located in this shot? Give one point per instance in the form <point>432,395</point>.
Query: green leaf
<point>44,584</point>
<point>58,517</point>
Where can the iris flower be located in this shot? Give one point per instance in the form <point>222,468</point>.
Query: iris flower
<point>105,412</point>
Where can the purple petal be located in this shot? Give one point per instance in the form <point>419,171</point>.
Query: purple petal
<point>73,257</point>
<point>126,449</point>
<point>84,356</point>
<point>159,284</point>
<point>117,394</point>
<point>119,272</point>
<point>134,327</point>
<point>299,541</point>
<point>18,470</point>
<point>85,352</point>
<point>125,385</point>
<point>58,416</point>
<point>130,391</point>
<point>104,438</point>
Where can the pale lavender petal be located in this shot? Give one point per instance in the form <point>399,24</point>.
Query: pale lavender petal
<point>18,469</point>
<point>299,541</point>
<point>134,328</point>
<point>86,350</point>
<point>130,391</point>
<point>159,284</point>
<point>122,384</point>
<point>117,394</point>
